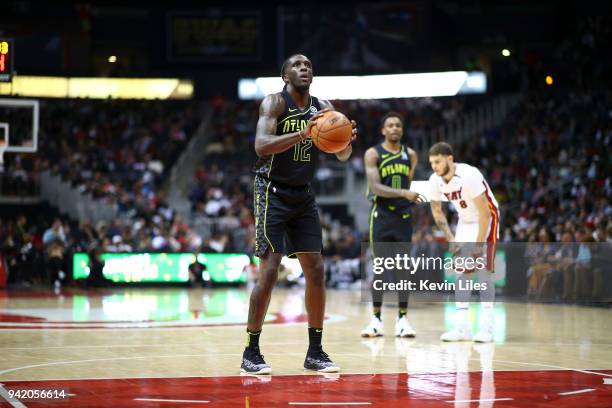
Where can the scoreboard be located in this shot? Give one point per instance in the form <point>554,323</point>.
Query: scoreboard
<point>6,59</point>
<point>215,37</point>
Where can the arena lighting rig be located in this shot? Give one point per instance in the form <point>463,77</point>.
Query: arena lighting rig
<point>376,86</point>
<point>98,88</point>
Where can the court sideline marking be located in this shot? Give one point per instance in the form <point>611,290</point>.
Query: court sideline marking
<point>172,400</point>
<point>577,392</point>
<point>543,365</point>
<point>328,403</point>
<point>482,400</point>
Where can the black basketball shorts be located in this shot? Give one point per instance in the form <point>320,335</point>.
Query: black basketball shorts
<point>389,226</point>
<point>390,229</point>
<point>286,219</point>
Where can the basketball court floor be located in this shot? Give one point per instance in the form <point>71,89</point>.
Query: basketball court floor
<point>179,347</point>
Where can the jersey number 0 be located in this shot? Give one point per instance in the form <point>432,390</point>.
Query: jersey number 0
<point>396,182</point>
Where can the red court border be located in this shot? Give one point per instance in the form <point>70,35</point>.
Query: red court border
<point>564,388</point>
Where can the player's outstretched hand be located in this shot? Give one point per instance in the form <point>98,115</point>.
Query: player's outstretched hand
<point>414,197</point>
<point>313,121</point>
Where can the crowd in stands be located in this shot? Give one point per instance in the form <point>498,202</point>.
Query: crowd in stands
<point>20,176</point>
<point>114,150</point>
<point>37,248</point>
<point>551,169</point>
<point>571,269</point>
<point>118,152</point>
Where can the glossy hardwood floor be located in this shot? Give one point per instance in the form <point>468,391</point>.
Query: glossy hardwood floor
<point>127,346</point>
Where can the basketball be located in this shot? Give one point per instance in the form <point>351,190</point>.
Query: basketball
<point>332,132</point>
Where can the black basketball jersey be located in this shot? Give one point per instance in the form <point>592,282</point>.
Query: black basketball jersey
<point>296,165</point>
<point>394,171</point>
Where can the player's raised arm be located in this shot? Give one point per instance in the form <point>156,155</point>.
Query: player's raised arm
<point>440,219</point>
<point>378,188</point>
<point>266,140</point>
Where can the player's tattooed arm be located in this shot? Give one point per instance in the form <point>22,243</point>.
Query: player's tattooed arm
<point>414,159</point>
<point>266,140</point>
<point>378,188</point>
<point>441,221</point>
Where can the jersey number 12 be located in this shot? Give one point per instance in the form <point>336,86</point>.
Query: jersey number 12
<point>300,150</point>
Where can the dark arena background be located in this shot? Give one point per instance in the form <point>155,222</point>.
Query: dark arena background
<point>128,229</point>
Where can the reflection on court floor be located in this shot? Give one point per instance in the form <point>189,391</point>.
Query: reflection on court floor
<point>149,347</point>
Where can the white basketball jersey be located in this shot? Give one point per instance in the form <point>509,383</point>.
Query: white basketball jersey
<point>467,184</point>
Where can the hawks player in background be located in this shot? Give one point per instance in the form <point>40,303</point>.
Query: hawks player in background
<point>465,187</point>
<point>390,167</point>
<point>286,214</point>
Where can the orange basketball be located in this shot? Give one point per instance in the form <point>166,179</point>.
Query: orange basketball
<point>332,132</point>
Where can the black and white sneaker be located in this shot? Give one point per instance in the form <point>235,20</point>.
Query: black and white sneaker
<point>253,362</point>
<point>318,360</point>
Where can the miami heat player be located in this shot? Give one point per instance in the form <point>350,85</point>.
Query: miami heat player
<point>465,187</point>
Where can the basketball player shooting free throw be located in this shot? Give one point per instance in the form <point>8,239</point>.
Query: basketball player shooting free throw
<point>286,214</point>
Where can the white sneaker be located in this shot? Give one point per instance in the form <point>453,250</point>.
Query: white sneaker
<point>403,328</point>
<point>484,336</point>
<point>457,335</point>
<point>374,329</point>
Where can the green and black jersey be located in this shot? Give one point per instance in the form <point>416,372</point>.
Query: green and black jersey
<point>394,170</point>
<point>295,166</point>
